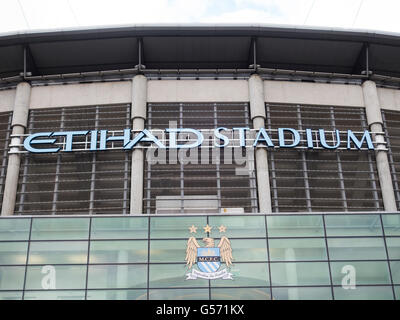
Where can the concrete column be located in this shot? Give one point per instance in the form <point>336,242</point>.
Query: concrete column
<point>18,124</point>
<point>374,118</point>
<point>257,112</point>
<point>138,114</point>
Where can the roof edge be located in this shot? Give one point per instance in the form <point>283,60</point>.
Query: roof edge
<point>198,29</point>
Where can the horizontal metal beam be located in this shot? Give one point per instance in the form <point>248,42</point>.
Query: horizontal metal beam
<point>126,74</point>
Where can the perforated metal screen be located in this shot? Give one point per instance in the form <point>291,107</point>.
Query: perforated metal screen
<point>78,182</point>
<point>391,122</point>
<point>323,180</point>
<point>208,182</point>
<point>5,131</point>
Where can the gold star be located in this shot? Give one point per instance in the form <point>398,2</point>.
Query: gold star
<point>193,229</point>
<point>207,228</point>
<point>222,228</point>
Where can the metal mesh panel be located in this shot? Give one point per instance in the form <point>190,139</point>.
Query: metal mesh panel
<point>215,185</point>
<point>77,182</point>
<point>321,180</point>
<point>391,123</point>
<point>5,132</point>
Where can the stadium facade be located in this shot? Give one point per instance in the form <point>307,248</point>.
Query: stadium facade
<point>200,162</point>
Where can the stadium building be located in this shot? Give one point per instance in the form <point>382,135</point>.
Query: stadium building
<point>200,162</point>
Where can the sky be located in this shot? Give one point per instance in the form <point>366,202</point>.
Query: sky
<point>30,15</point>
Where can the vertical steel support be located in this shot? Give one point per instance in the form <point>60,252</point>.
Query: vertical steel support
<point>126,168</point>
<point>140,65</point>
<point>93,170</point>
<point>367,59</point>
<point>255,54</point>
<point>339,164</point>
<point>371,168</point>
<point>273,170</point>
<point>182,168</point>
<point>25,171</point>
<point>148,185</point>
<point>218,165</point>
<point>24,75</point>
<point>304,164</point>
<point>250,159</point>
<point>58,166</point>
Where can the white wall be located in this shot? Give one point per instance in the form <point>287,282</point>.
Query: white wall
<point>87,94</point>
<point>7,100</point>
<point>198,91</point>
<point>389,99</point>
<point>53,96</point>
<point>120,92</point>
<point>313,93</point>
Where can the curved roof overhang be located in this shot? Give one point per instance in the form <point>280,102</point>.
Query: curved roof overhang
<point>352,52</point>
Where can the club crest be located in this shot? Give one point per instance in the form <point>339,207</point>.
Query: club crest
<point>208,258</point>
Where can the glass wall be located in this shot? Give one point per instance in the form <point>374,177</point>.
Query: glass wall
<point>322,180</point>
<point>75,182</point>
<point>298,256</point>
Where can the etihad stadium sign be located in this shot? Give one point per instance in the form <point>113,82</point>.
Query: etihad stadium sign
<point>188,138</point>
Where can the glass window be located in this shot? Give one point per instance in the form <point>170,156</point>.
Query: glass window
<point>241,294</point>
<point>353,225</point>
<point>136,294</point>
<point>395,269</point>
<point>55,295</point>
<point>117,276</point>
<point>245,274</point>
<point>302,293</point>
<point>172,275</point>
<point>178,294</point>
<point>14,229</point>
<point>365,272</point>
<point>391,223</point>
<point>55,277</point>
<point>176,227</point>
<point>115,251</point>
<point>241,227</point>
<point>13,252</point>
<point>397,292</point>
<point>249,249</point>
<point>300,274</point>
<point>60,229</point>
<point>12,278</point>
<point>297,249</point>
<point>364,293</point>
<point>119,228</point>
<point>58,252</point>
<point>295,226</point>
<point>357,249</point>
<point>10,295</point>
<point>168,250</point>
